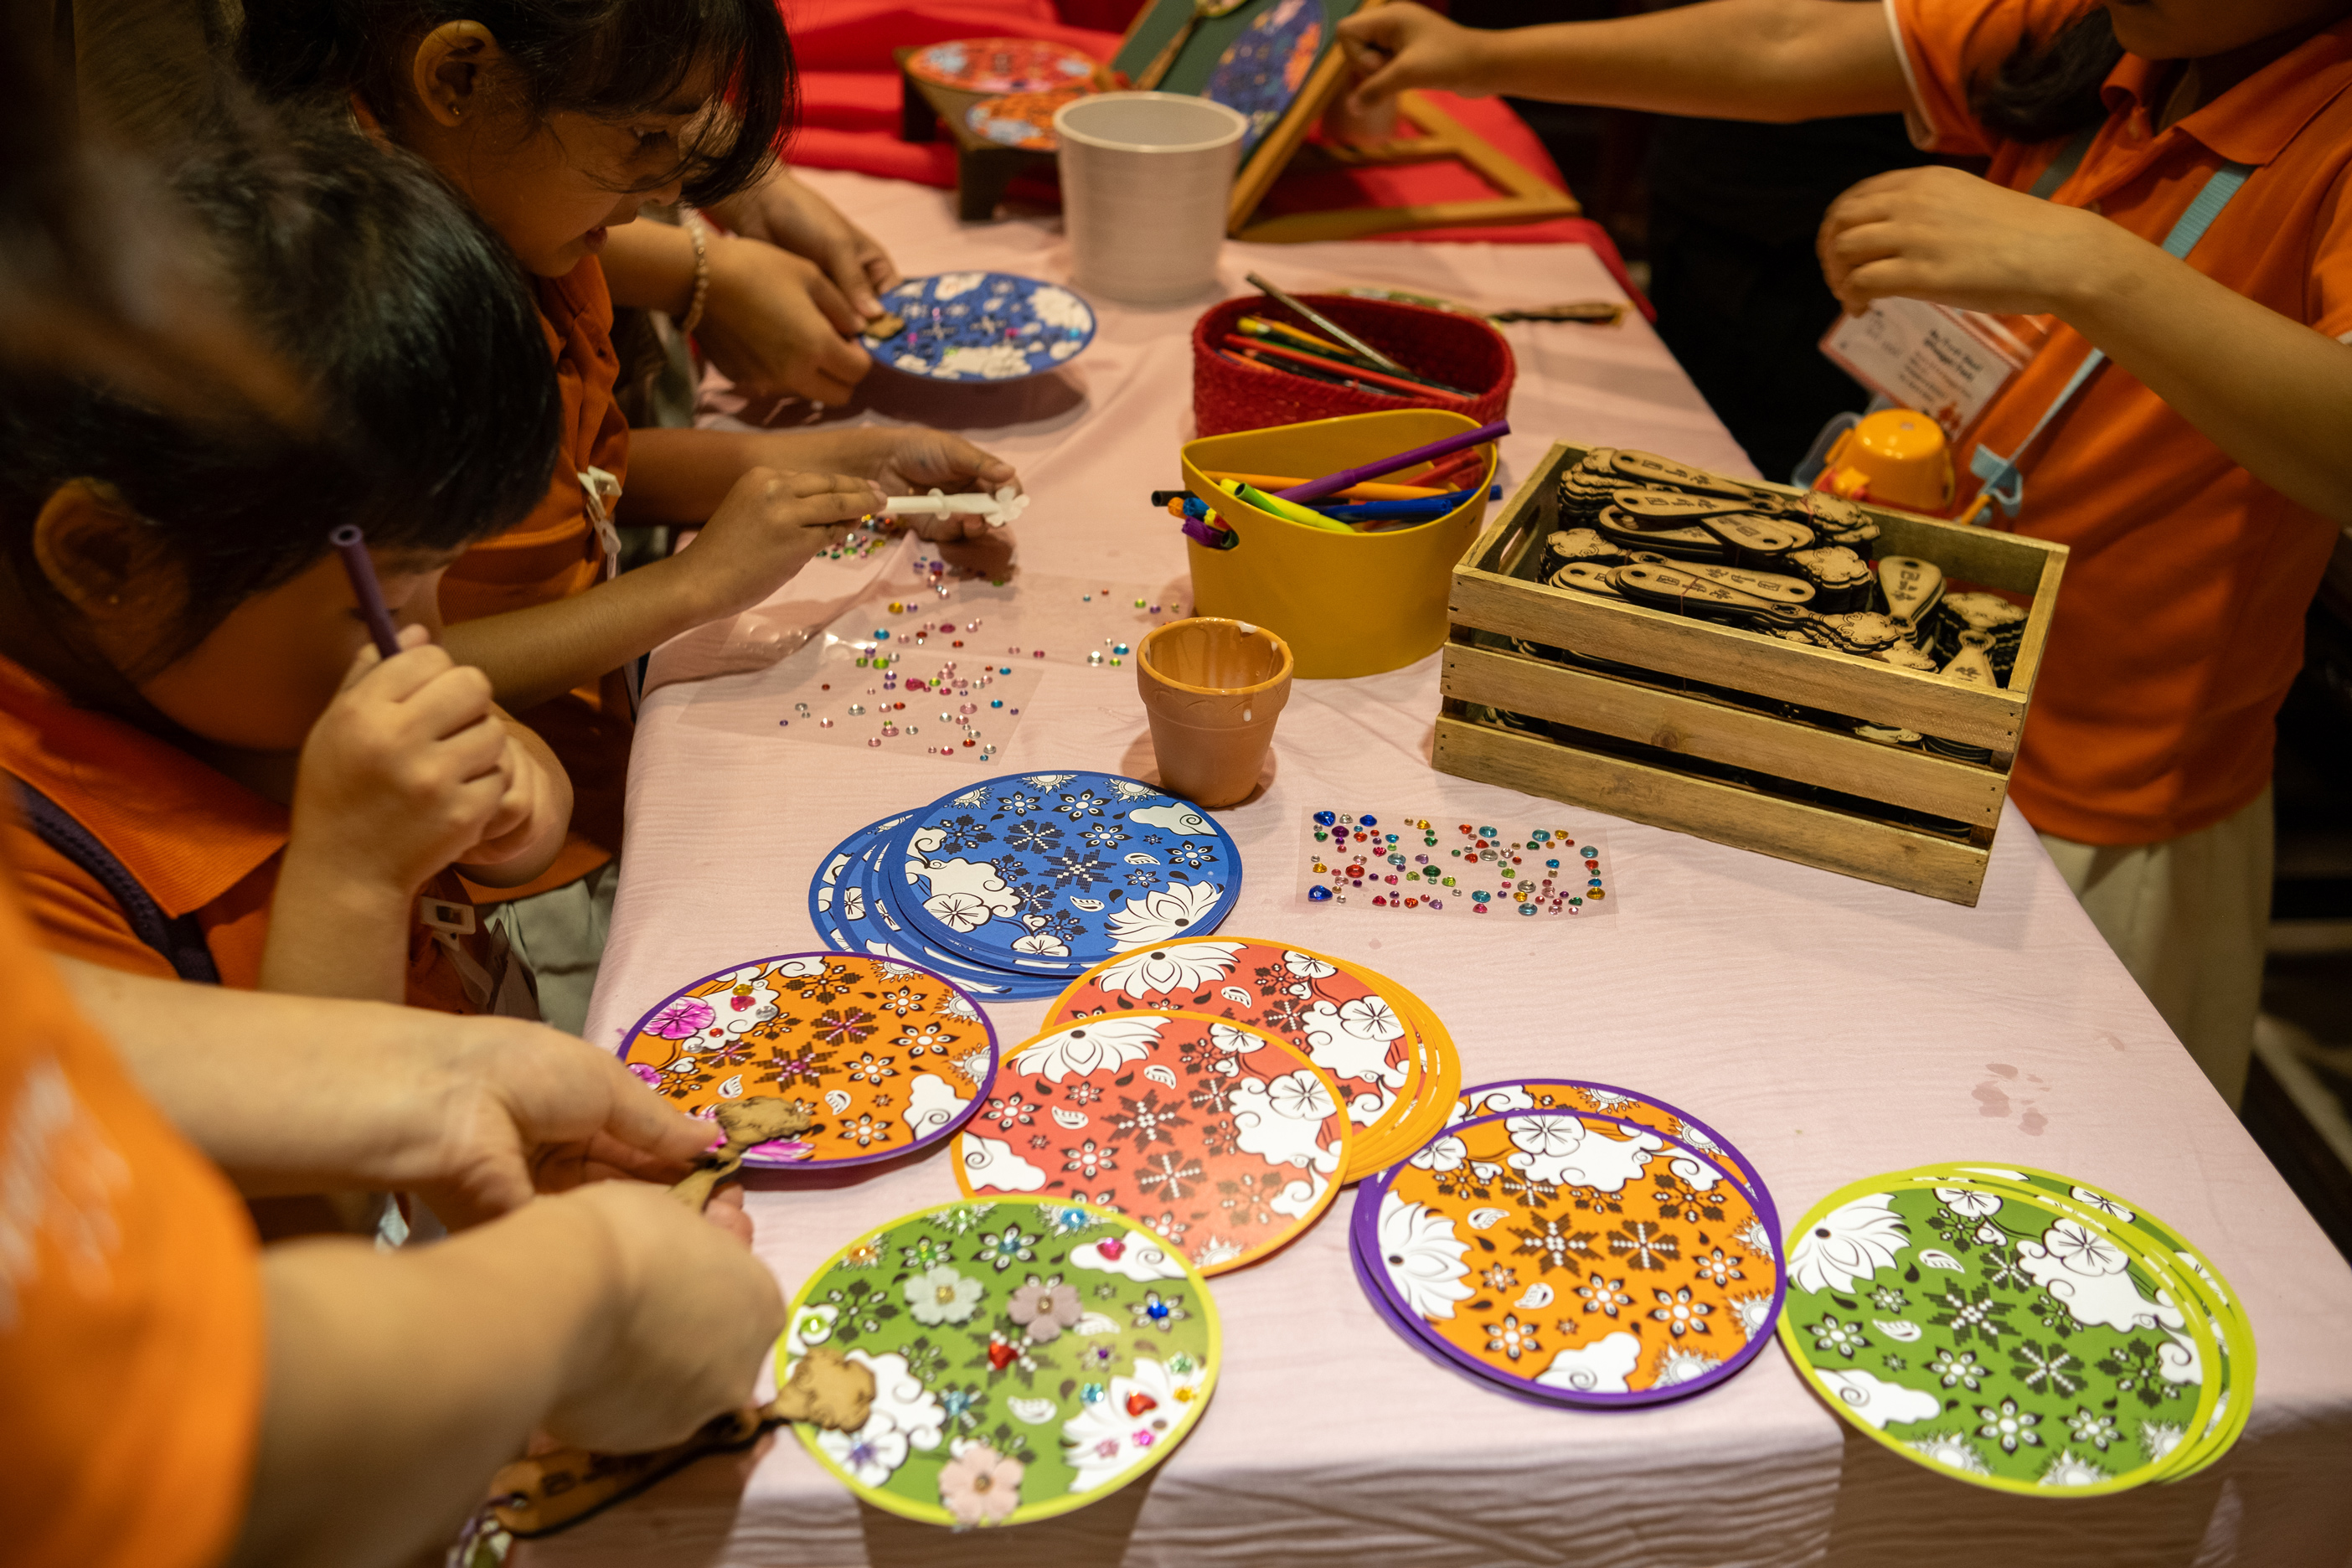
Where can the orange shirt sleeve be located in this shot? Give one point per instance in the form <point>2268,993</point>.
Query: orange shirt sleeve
<point>1947,44</point>
<point>2329,307</point>
<point>132,1336</point>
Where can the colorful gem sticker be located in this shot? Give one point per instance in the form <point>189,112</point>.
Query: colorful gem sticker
<point>1051,873</point>
<point>2005,1339</point>
<point>1024,119</point>
<point>1029,1357</point>
<point>1425,865</point>
<point>983,327</point>
<point>850,909</point>
<point>1341,1015</point>
<point>892,697</point>
<point>1218,1138</point>
<point>891,1057</point>
<point>1571,1257</point>
<point>1001,65</point>
<point>1577,1094</point>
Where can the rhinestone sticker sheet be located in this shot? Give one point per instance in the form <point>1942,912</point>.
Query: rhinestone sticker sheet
<point>1424,864</point>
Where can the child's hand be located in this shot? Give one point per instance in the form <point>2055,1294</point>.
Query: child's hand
<point>776,324</point>
<point>1938,235</point>
<point>522,837</point>
<point>767,529</point>
<point>405,770</point>
<point>1392,48</point>
<point>914,459</point>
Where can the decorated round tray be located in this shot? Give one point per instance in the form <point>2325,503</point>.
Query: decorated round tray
<point>1001,65</point>
<point>1608,1100</point>
<point>1571,1258</point>
<point>850,909</point>
<point>1261,71</point>
<point>983,327</point>
<point>1358,1026</point>
<point>890,1058</point>
<point>1024,119</point>
<point>2001,1336</point>
<point>1051,873</point>
<point>1218,1138</point>
<point>1029,1357</point>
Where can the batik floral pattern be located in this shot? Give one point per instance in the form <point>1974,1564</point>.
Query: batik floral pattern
<point>887,1057</point>
<point>1218,1138</point>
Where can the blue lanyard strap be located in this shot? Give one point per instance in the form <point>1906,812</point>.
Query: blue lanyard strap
<point>2003,482</point>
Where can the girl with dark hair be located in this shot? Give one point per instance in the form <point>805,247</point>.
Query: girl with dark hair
<point>559,119</point>
<point>185,680</point>
<point>2187,430</point>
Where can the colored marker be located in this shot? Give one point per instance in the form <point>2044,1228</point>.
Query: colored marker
<point>1330,484</point>
<point>1305,364</point>
<point>360,567</point>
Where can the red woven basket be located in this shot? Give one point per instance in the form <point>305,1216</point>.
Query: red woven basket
<point>1461,351</point>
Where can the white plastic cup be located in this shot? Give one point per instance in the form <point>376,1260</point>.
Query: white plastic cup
<point>1146,177</point>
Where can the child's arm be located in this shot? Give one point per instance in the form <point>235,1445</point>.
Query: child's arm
<point>766,527</point>
<point>772,321</point>
<point>681,476</point>
<point>399,776</point>
<point>786,213</point>
<point>1774,60</point>
<point>522,840</point>
<point>2271,392</point>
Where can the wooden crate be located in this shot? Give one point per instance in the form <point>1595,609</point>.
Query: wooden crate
<point>1653,742</point>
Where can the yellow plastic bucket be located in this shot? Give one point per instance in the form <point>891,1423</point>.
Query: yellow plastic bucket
<point>1347,603</point>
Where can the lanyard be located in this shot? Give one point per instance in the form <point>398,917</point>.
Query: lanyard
<point>2003,482</point>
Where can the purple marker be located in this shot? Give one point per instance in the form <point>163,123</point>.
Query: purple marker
<point>351,546</point>
<point>1315,489</point>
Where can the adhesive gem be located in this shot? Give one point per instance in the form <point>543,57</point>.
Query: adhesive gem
<point>958,643</point>
<point>1039,653</point>
<point>873,741</point>
<point>1094,658</point>
<point>1326,818</point>
<point>1118,662</point>
<point>1118,647</point>
<point>825,724</point>
<point>996,702</point>
<point>857,709</point>
<point>881,634</point>
<point>1138,604</point>
<point>1372,822</point>
<point>972,625</point>
<point>784,723</point>
<point>1155,609</point>
<point>1003,669</point>
<point>1552,864</point>
<point>1317,895</point>
<point>1527,909</point>
<point>1449,881</point>
<point>898,606</point>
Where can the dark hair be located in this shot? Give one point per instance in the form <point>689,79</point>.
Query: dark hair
<point>436,413</point>
<point>602,57</point>
<point>2050,87</point>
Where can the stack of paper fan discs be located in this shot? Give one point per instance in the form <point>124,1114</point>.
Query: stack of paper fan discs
<point>1029,1357</point>
<point>2018,1330</point>
<point>1012,886</point>
<point>1573,1243</point>
<point>1222,1139</point>
<point>1393,1062</point>
<point>888,1057</point>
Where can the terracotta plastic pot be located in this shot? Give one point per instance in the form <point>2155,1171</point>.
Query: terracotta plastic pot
<point>1213,688</point>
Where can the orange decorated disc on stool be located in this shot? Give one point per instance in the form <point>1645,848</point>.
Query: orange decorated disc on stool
<point>1024,119</point>
<point>1218,1137</point>
<point>890,1056</point>
<point>1354,1025</point>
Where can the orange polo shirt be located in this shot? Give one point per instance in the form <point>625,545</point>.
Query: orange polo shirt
<point>131,1338</point>
<point>2180,625</point>
<point>553,554</point>
<point>195,839</point>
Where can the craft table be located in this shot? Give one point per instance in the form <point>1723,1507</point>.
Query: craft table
<point>1831,1027</point>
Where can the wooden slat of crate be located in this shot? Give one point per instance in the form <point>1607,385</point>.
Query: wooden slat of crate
<point>1696,727</point>
<point>1790,830</point>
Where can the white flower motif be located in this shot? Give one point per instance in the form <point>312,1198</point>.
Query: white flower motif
<point>2105,1205</point>
<point>1300,1096</point>
<point>1098,1045</point>
<point>958,911</point>
<point>2068,1470</point>
<point>1683,1366</point>
<point>1234,1041</point>
<point>1440,1154</point>
<point>1305,965</point>
<point>1851,1242</point>
<point>1180,966</point>
<point>1126,789</point>
<point>1047,781</point>
<point>1755,1314</point>
<point>1551,1135</point>
<point>973,797</point>
<point>1369,1018</point>
<point>956,1004</point>
<point>905,1415</point>
<point>2158,1439</point>
<point>1423,1257</point>
<point>1214,1251</point>
<point>2081,1251</point>
<point>1040,944</point>
<point>1755,1237</point>
<point>1164,914</point>
<point>942,1296</point>
<point>1607,1099</point>
<point>1952,1450</point>
<point>1971,1201</point>
<point>1110,1436</point>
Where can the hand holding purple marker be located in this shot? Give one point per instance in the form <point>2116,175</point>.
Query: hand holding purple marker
<point>351,546</point>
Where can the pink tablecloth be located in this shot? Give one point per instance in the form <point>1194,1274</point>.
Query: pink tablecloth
<point>1831,1027</point>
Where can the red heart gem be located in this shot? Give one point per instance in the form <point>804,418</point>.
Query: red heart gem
<point>741,1002</point>
<point>1113,1249</point>
<point>1136,1404</point>
<point>999,1355</point>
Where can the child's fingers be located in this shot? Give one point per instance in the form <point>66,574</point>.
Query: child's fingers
<point>457,698</point>
<point>368,658</point>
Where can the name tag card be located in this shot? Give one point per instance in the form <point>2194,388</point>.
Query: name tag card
<point>1947,363</point>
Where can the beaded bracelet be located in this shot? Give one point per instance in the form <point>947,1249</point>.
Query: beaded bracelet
<point>696,230</point>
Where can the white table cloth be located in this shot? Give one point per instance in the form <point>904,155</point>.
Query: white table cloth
<point>1832,1029</point>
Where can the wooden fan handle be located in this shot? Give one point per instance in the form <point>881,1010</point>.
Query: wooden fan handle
<point>545,1493</point>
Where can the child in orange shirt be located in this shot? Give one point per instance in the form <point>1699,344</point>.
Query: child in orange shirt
<point>559,124</point>
<point>226,780</point>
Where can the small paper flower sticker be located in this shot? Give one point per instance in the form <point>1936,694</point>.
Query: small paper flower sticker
<point>1044,1307</point>
<point>981,1485</point>
<point>941,1295</point>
